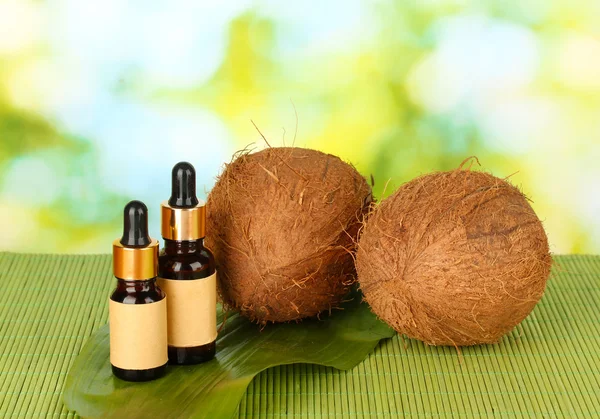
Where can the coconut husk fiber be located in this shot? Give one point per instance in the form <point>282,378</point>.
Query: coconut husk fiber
<point>283,225</point>
<point>453,258</point>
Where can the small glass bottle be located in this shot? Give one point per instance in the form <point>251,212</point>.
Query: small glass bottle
<point>187,273</point>
<point>137,307</point>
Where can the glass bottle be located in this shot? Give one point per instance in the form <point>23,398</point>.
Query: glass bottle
<point>187,272</point>
<point>137,307</point>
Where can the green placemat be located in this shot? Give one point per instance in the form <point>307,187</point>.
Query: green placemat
<point>549,365</point>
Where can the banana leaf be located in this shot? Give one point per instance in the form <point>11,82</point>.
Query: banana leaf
<point>214,389</point>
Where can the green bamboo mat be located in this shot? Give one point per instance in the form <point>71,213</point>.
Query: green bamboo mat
<point>548,366</point>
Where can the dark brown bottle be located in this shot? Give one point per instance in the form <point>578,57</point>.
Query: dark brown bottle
<point>137,307</point>
<point>187,273</point>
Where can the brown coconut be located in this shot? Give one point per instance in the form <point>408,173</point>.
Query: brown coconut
<point>282,224</point>
<point>453,258</point>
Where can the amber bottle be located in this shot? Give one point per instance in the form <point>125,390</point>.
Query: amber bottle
<point>187,272</point>
<point>137,307</point>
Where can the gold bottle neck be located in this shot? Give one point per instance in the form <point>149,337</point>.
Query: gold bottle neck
<point>183,223</point>
<point>135,264</point>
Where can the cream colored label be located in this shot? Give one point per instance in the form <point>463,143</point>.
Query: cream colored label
<point>138,335</point>
<point>192,310</point>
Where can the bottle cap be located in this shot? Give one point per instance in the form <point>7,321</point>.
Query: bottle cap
<point>135,254</point>
<point>183,216</point>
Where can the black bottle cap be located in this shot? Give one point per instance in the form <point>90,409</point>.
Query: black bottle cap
<point>183,186</point>
<point>135,225</point>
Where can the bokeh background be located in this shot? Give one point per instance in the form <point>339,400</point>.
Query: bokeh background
<point>99,99</point>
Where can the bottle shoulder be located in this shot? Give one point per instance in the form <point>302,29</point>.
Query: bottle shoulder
<point>199,264</point>
<point>137,292</point>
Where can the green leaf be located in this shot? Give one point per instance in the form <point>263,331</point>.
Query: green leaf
<point>215,388</point>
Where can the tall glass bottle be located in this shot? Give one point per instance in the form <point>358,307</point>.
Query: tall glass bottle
<point>187,272</point>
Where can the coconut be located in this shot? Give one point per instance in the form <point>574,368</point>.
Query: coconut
<point>282,224</point>
<point>453,258</point>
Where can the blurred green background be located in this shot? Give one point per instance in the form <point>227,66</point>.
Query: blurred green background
<point>99,99</point>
